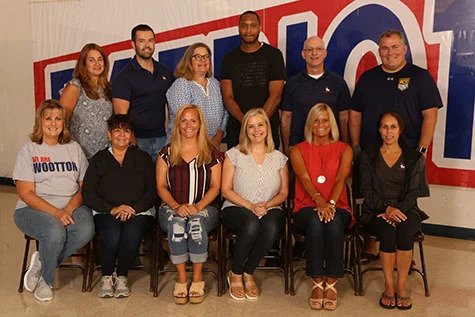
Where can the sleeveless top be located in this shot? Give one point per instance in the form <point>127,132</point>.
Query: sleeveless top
<point>88,124</point>
<point>320,161</point>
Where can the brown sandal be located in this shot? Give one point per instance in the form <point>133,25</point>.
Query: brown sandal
<point>180,293</point>
<point>196,293</point>
<point>235,287</point>
<point>250,288</point>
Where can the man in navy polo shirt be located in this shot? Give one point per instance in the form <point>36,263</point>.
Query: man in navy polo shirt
<point>313,85</point>
<point>139,90</point>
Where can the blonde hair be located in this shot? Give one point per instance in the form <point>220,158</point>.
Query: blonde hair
<point>313,115</point>
<point>204,144</point>
<point>184,69</point>
<point>37,134</point>
<point>244,141</point>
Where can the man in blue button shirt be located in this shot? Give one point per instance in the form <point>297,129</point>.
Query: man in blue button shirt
<point>313,85</point>
<point>139,90</point>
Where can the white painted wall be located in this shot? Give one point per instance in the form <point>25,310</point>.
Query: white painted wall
<point>450,206</point>
<point>16,80</point>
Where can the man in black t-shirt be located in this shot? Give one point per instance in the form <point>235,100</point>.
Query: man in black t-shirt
<point>252,75</point>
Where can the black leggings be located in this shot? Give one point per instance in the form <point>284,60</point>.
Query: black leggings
<point>254,236</point>
<point>392,238</point>
<point>120,241</point>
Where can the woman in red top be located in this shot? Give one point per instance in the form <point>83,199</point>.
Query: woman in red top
<point>322,164</point>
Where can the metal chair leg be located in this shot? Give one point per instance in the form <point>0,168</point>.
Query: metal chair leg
<point>424,270</point>
<point>23,267</point>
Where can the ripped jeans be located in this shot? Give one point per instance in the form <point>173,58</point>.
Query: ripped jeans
<point>188,237</point>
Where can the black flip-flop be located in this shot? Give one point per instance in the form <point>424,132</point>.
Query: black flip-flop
<point>404,307</point>
<point>385,306</point>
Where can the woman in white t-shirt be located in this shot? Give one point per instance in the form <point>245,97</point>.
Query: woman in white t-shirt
<point>48,173</point>
<point>254,183</point>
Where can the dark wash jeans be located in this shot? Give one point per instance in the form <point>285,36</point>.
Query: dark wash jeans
<point>323,241</point>
<point>254,236</point>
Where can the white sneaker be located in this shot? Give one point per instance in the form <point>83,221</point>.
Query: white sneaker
<point>43,291</point>
<point>121,287</point>
<point>106,287</point>
<point>32,275</point>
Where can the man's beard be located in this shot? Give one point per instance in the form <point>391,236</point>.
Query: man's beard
<point>143,56</point>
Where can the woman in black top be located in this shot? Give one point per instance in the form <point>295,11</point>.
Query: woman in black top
<point>119,186</point>
<point>390,178</point>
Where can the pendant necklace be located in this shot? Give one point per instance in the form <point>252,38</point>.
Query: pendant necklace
<point>321,179</point>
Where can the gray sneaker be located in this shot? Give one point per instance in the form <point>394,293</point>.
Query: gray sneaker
<point>43,291</point>
<point>32,276</point>
<point>106,287</point>
<point>121,288</point>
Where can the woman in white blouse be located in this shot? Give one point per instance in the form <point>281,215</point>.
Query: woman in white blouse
<point>254,184</point>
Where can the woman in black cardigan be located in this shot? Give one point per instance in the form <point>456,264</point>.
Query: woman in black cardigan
<point>390,179</point>
<point>119,186</point>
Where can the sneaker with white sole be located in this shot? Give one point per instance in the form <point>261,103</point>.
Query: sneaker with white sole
<point>106,287</point>
<point>32,276</point>
<point>43,291</point>
<point>121,287</point>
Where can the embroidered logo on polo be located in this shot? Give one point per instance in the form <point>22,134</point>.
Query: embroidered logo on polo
<point>403,83</point>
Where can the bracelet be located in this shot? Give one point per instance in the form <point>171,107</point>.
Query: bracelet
<point>316,195</point>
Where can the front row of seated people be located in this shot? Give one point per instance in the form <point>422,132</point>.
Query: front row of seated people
<point>119,194</point>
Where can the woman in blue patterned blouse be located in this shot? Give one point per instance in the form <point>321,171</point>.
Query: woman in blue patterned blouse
<point>196,85</point>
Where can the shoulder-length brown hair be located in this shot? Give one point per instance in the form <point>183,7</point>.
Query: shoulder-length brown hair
<point>37,134</point>
<point>183,68</point>
<point>204,144</point>
<point>80,72</point>
<point>313,115</point>
<point>244,141</point>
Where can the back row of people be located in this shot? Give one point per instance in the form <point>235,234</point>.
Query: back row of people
<point>251,76</point>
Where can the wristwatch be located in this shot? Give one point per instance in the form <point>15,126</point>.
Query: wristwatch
<point>332,202</point>
<point>422,149</point>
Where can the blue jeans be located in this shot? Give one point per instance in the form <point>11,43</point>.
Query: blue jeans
<point>323,241</point>
<point>188,237</point>
<point>152,145</point>
<point>56,242</point>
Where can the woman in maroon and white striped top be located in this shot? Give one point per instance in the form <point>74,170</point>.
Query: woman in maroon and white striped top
<point>188,182</point>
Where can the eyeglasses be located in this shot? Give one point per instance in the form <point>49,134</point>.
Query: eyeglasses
<point>201,58</point>
<point>313,49</point>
